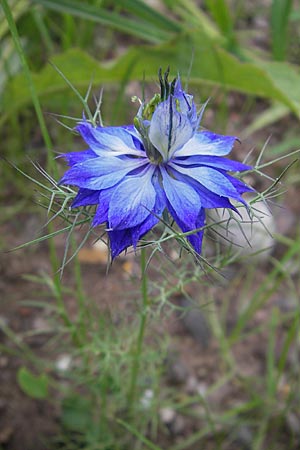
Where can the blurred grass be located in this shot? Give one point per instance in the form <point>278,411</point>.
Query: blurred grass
<point>72,34</point>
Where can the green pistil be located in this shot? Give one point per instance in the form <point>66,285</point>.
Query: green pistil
<point>150,107</point>
<point>153,154</point>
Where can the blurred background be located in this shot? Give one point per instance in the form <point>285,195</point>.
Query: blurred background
<point>220,366</point>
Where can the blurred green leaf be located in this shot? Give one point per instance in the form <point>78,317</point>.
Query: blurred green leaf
<point>280,13</point>
<point>212,66</point>
<point>76,413</point>
<point>33,386</point>
<point>262,120</point>
<point>145,12</point>
<point>138,28</point>
<point>18,8</point>
<point>221,13</point>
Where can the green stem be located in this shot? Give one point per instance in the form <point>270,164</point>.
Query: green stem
<point>140,339</point>
<point>51,164</point>
<point>35,100</point>
<point>81,299</point>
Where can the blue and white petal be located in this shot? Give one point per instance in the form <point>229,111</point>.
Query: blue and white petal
<point>211,179</point>
<point>169,130</point>
<point>117,140</point>
<point>102,172</point>
<point>207,143</point>
<point>216,162</point>
<point>183,199</point>
<point>132,201</point>
<point>73,158</point>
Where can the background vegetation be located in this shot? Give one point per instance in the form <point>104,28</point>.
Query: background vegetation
<point>56,55</point>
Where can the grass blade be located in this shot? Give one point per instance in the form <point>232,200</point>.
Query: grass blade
<point>86,11</point>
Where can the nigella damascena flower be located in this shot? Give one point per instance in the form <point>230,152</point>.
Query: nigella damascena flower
<point>162,162</point>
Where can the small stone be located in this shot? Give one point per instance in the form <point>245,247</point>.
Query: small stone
<point>5,434</point>
<point>63,363</point>
<point>3,322</point>
<point>3,361</point>
<point>178,425</point>
<point>248,235</point>
<point>202,389</point>
<point>146,399</point>
<point>244,438</point>
<point>177,372</point>
<point>191,385</point>
<point>3,404</point>
<point>41,324</point>
<point>195,322</point>
<point>293,423</point>
<point>167,415</point>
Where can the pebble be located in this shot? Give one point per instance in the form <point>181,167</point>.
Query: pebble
<point>147,397</point>
<point>244,438</point>
<point>3,322</point>
<point>41,324</point>
<point>247,235</point>
<point>195,322</point>
<point>3,361</point>
<point>178,425</point>
<point>202,389</point>
<point>63,363</point>
<point>177,372</point>
<point>191,385</point>
<point>293,423</point>
<point>167,415</point>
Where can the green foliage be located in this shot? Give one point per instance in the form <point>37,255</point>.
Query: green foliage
<point>143,28</point>
<point>77,413</point>
<point>222,15</point>
<point>280,15</point>
<point>33,386</point>
<point>269,80</point>
<point>102,392</point>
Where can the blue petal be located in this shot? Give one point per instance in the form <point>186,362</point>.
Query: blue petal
<point>183,199</point>
<point>73,158</point>
<point>155,214</point>
<point>208,199</point>
<point>132,201</point>
<point>239,185</point>
<point>101,173</point>
<point>196,238</point>
<point>186,104</point>
<point>122,239</point>
<point>85,197</point>
<point>117,140</point>
<point>207,143</point>
<point>104,198</point>
<point>213,180</point>
<point>212,161</point>
<point>119,240</point>
<point>140,230</point>
<point>169,129</point>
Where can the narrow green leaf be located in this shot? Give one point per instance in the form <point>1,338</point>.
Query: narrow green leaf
<point>137,434</point>
<point>221,14</point>
<point>280,12</point>
<point>95,13</point>
<point>145,12</point>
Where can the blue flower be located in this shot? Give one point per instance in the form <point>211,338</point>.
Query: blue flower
<point>162,162</point>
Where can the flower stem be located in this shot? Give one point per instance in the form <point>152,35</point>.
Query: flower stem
<point>51,164</point>
<point>140,338</point>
